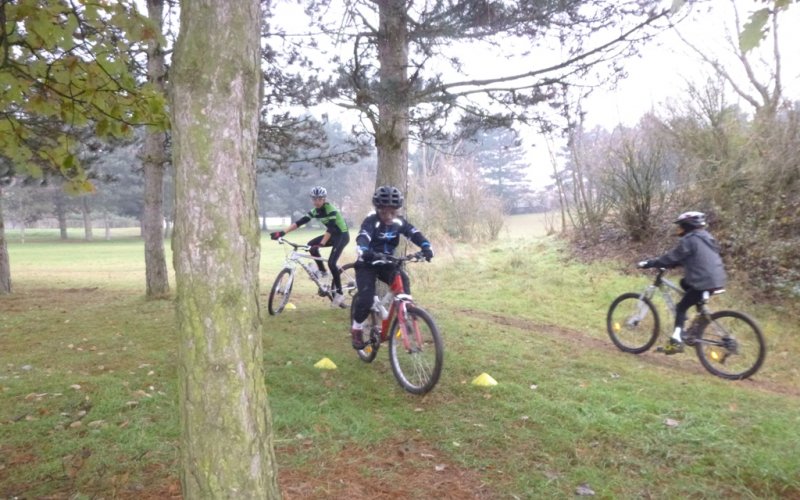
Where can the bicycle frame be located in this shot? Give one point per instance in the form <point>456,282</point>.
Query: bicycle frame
<point>400,300</point>
<point>664,286</point>
<point>296,258</point>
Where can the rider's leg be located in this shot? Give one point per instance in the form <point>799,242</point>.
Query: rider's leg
<point>689,299</point>
<point>365,281</point>
<point>338,246</point>
<point>315,252</point>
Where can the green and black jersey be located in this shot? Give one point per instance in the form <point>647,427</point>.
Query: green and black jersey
<point>329,216</point>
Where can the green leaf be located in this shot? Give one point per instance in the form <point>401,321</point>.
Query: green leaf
<point>754,31</point>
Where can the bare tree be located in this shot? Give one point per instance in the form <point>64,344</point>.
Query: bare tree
<point>227,445</point>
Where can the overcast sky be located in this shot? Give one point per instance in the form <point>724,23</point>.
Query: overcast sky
<point>662,73</point>
<point>659,76</point>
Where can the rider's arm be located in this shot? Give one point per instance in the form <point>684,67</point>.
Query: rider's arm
<point>674,257</point>
<point>364,237</point>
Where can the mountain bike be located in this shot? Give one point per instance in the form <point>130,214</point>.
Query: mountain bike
<point>282,288</point>
<point>729,344</point>
<point>416,350</point>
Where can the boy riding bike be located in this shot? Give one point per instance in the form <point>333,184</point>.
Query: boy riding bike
<point>698,253</point>
<point>336,235</point>
<point>380,234</point>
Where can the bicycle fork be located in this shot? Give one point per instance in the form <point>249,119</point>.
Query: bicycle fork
<point>641,308</point>
<point>402,319</point>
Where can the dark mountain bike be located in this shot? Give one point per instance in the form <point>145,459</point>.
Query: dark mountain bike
<point>729,344</point>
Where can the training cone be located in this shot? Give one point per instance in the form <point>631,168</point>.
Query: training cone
<point>484,380</point>
<point>290,306</point>
<point>325,364</point>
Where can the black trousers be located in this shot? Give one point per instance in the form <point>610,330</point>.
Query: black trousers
<point>690,298</point>
<point>338,243</point>
<point>366,274</point>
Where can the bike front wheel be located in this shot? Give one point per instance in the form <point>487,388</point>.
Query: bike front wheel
<point>731,345</point>
<point>348,278</point>
<point>416,352</point>
<point>280,292</point>
<point>633,323</point>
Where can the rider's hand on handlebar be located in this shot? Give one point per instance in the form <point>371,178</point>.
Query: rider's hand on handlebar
<point>277,234</point>
<point>427,252</point>
<point>367,255</point>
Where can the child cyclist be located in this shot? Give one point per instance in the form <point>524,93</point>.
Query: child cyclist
<point>698,253</point>
<point>380,233</point>
<point>336,236</point>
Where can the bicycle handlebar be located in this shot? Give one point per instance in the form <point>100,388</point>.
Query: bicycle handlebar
<point>384,258</point>
<point>296,246</point>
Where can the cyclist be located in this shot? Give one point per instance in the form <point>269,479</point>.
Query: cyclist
<point>380,233</point>
<point>698,253</point>
<point>336,235</point>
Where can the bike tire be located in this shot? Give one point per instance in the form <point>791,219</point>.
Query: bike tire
<point>417,370</point>
<point>627,331</point>
<point>731,345</point>
<point>372,328</point>
<point>280,292</point>
<point>348,279</point>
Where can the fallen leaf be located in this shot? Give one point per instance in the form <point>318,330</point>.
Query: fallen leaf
<point>670,422</point>
<point>440,467</point>
<point>584,490</point>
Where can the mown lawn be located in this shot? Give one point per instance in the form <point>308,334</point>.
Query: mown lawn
<point>88,392</point>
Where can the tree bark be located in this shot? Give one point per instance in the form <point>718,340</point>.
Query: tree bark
<point>86,212</point>
<point>5,263</point>
<point>226,427</point>
<point>391,134</point>
<point>61,213</point>
<point>154,159</point>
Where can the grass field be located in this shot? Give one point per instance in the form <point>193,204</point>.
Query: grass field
<point>88,403</point>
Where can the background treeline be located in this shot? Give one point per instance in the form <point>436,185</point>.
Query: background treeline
<point>626,185</point>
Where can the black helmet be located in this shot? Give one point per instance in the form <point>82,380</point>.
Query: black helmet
<point>387,196</point>
<point>319,192</point>
<point>691,220</point>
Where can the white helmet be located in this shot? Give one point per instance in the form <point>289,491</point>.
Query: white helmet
<point>319,192</point>
<point>691,220</point>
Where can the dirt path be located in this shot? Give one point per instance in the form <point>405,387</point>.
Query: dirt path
<point>583,341</point>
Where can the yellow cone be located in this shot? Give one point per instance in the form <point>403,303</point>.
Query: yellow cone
<point>290,306</point>
<point>484,380</point>
<point>325,364</point>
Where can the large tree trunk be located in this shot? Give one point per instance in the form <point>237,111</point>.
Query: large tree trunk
<point>5,264</point>
<point>154,159</point>
<point>391,134</point>
<point>226,427</point>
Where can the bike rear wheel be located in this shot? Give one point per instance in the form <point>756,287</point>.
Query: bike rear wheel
<point>633,323</point>
<point>731,345</point>
<point>372,333</point>
<point>417,367</point>
<point>280,292</point>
